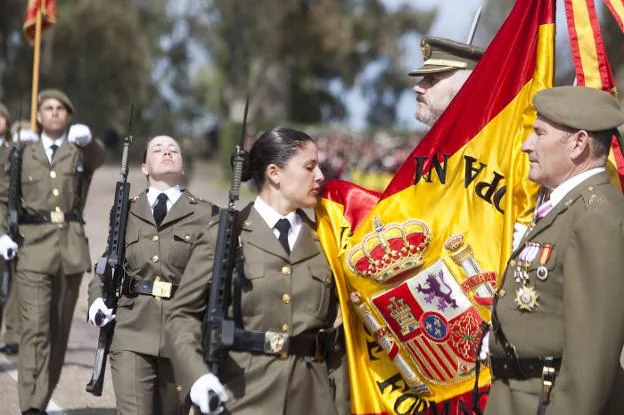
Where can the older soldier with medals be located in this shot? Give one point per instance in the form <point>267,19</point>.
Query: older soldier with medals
<point>558,321</point>
<point>52,253</point>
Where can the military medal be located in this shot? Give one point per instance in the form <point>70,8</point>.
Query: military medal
<point>542,272</point>
<point>526,298</point>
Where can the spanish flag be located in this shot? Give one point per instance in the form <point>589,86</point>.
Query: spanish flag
<point>417,266</point>
<point>48,16</point>
<point>591,62</point>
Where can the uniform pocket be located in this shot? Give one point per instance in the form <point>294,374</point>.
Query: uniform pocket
<point>180,250</point>
<point>319,291</point>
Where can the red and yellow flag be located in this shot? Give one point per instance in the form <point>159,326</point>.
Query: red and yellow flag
<point>417,267</point>
<point>617,9</point>
<point>591,63</point>
<point>48,16</point>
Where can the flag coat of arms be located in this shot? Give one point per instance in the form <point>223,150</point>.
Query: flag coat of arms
<point>417,266</point>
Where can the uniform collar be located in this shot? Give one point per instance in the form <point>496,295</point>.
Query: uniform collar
<point>173,194</point>
<point>271,216</point>
<point>564,188</point>
<point>47,141</point>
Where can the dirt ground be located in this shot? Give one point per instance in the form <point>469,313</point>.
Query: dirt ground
<point>70,396</point>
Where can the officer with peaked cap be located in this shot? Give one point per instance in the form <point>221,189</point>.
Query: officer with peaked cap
<point>447,65</point>
<point>558,320</point>
<point>57,165</point>
<point>10,336</point>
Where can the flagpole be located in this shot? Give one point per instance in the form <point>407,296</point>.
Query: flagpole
<point>35,77</point>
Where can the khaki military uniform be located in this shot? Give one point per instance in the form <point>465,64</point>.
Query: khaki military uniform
<point>287,293</point>
<point>11,311</point>
<point>50,262</point>
<point>579,317</point>
<point>141,370</point>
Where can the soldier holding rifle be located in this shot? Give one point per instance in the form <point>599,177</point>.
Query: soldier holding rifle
<point>56,170</point>
<point>284,307</point>
<point>165,242</point>
<point>8,301</point>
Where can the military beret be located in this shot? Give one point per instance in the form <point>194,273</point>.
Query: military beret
<point>56,94</point>
<point>442,55</point>
<point>579,107</point>
<point>4,111</point>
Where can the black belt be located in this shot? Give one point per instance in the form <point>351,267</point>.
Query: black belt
<point>521,368</point>
<point>49,217</point>
<point>159,289</point>
<point>311,343</point>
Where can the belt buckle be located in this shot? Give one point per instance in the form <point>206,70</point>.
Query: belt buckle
<point>161,289</point>
<point>548,380</point>
<point>57,217</point>
<point>276,343</point>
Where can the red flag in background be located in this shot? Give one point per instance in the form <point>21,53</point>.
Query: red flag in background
<point>591,63</point>
<point>48,16</point>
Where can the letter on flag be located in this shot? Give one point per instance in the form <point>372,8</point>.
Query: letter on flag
<point>48,16</point>
<point>417,267</point>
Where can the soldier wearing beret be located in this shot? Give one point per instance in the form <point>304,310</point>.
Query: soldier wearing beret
<point>52,253</point>
<point>447,65</point>
<point>10,337</point>
<point>165,236</point>
<point>558,320</point>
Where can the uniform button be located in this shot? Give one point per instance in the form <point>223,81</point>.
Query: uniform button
<point>286,298</point>
<point>285,328</point>
<point>155,238</point>
<point>512,263</point>
<point>187,238</point>
<point>58,209</point>
<point>56,192</point>
<point>502,293</point>
<point>155,258</point>
<point>179,388</point>
<point>30,178</point>
<point>53,174</point>
<point>286,270</point>
<point>328,281</point>
<point>590,188</point>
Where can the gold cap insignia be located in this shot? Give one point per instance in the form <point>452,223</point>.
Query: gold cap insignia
<point>425,48</point>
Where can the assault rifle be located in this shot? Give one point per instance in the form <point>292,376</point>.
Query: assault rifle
<point>14,207</point>
<point>109,267</point>
<point>217,328</point>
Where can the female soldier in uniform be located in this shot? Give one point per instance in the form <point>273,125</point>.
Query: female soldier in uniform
<point>165,225</point>
<point>287,295</point>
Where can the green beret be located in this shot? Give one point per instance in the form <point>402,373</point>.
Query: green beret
<point>442,55</point>
<point>579,107</point>
<point>4,111</point>
<point>56,94</point>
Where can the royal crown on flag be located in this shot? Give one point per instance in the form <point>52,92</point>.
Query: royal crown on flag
<point>391,251</point>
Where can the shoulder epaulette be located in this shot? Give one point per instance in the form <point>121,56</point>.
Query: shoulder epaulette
<point>593,198</point>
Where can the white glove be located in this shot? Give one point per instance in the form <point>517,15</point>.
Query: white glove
<point>484,351</point>
<point>98,305</point>
<point>26,136</point>
<point>519,231</point>
<point>199,393</point>
<point>79,134</point>
<point>8,248</point>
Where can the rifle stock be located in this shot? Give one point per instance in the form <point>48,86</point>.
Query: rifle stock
<point>110,270</point>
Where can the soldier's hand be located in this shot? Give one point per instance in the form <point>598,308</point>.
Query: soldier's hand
<point>200,389</point>
<point>99,314</point>
<point>79,134</point>
<point>8,248</point>
<point>25,135</point>
<point>519,231</point>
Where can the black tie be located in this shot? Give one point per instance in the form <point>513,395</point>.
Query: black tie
<point>283,226</point>
<point>53,147</point>
<point>160,209</point>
